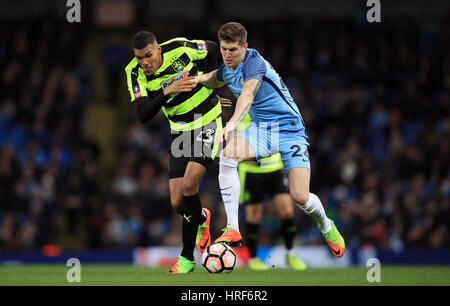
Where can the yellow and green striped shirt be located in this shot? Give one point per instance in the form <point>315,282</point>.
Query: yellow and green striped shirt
<point>185,111</point>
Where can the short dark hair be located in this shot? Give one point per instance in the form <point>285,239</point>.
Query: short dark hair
<point>233,31</point>
<point>142,39</point>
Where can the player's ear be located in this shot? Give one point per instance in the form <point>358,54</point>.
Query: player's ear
<point>245,45</point>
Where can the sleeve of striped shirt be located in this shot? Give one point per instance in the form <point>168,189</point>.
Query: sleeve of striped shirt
<point>212,59</point>
<point>136,80</point>
<point>148,107</point>
<point>196,49</point>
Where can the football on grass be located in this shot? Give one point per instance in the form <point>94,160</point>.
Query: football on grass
<point>219,258</point>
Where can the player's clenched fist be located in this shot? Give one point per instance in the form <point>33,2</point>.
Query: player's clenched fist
<point>181,85</point>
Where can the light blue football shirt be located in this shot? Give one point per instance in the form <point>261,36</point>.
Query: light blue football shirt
<point>273,102</point>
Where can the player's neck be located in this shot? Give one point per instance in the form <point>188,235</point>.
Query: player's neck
<point>233,68</point>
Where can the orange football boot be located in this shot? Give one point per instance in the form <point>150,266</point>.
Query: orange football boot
<point>203,239</point>
<point>231,237</point>
<point>335,241</point>
<point>182,266</point>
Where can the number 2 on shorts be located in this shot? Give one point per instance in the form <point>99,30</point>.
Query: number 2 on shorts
<point>297,152</point>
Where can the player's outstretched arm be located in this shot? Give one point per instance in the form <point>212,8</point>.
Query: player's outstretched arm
<point>245,101</point>
<point>209,80</point>
<point>243,105</point>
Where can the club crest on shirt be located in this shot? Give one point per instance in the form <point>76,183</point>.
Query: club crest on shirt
<point>241,81</point>
<point>178,65</point>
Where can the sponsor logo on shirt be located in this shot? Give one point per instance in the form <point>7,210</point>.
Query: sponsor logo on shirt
<point>183,74</point>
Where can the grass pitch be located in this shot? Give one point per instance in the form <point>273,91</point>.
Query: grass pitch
<point>128,275</point>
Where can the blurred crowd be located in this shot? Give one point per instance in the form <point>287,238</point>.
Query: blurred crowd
<point>375,100</point>
<point>48,165</point>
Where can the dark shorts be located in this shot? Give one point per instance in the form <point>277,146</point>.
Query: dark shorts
<point>258,185</point>
<point>196,145</point>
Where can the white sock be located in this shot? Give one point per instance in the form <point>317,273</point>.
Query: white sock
<point>315,210</point>
<point>230,188</point>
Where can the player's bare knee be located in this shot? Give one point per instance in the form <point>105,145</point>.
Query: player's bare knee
<point>254,216</point>
<point>286,213</point>
<point>254,219</point>
<point>235,152</point>
<point>230,153</point>
<point>189,188</point>
<point>300,197</point>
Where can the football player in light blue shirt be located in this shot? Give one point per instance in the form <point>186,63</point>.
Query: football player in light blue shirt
<point>277,127</point>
